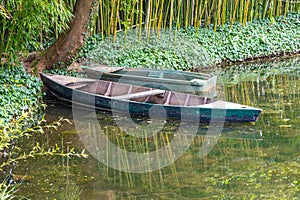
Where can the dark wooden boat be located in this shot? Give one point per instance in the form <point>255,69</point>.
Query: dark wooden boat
<point>173,80</point>
<point>137,100</point>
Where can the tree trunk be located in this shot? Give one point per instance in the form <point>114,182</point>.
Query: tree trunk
<point>68,43</point>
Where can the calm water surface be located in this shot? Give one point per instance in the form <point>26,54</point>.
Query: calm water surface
<point>254,160</point>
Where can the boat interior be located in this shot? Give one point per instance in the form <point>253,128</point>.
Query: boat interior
<point>133,93</point>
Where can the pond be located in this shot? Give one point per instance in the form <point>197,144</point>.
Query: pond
<point>250,160</point>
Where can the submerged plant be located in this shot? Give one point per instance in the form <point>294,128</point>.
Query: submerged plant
<point>24,127</point>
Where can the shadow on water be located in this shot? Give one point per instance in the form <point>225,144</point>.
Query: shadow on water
<point>253,160</point>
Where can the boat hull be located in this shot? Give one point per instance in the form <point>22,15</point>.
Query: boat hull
<point>190,113</point>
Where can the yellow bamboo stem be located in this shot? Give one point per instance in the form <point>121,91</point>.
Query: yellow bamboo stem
<point>234,12</point>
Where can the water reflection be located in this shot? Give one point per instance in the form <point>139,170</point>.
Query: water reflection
<point>255,160</point>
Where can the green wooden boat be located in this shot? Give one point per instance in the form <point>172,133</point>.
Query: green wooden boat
<point>138,100</point>
<point>179,81</point>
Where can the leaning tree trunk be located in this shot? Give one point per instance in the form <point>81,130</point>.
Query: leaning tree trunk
<point>68,43</point>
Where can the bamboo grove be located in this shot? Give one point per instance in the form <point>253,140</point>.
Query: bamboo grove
<point>114,15</point>
<point>32,24</point>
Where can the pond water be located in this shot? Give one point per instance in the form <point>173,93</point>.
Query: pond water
<point>251,160</point>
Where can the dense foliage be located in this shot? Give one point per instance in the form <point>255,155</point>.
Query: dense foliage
<point>18,92</point>
<point>34,25</point>
<point>28,25</point>
<point>258,39</point>
<point>197,48</point>
<point>66,72</point>
<point>171,49</point>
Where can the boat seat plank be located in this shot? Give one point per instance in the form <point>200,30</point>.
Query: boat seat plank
<point>139,94</point>
<point>187,100</point>
<point>107,93</point>
<point>168,99</point>
<point>77,85</point>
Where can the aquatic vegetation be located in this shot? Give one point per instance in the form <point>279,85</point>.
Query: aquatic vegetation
<point>19,129</point>
<point>8,192</point>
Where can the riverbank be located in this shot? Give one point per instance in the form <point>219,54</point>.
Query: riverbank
<point>198,49</point>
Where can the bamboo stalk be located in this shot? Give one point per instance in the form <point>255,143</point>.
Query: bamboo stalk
<point>197,3</point>
<point>234,12</point>
<point>116,20</point>
<point>160,18</point>
<point>140,20</point>
<point>241,9</point>
<point>178,14</point>
<point>218,14</point>
<point>101,21</point>
<point>148,19</point>
<point>251,16</point>
<point>171,14</point>
<point>155,16</point>
<point>265,8</point>
<point>246,12</point>
<point>187,13</point>
<point>224,11</point>
<point>192,12</point>
<point>286,9</point>
<point>203,10</point>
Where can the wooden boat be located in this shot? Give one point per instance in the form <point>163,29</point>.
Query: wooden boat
<point>112,96</point>
<point>173,80</point>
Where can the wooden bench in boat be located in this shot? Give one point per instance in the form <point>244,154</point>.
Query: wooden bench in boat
<point>78,85</point>
<point>139,94</point>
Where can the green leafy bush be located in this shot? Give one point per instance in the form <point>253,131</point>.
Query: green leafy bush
<point>18,92</point>
<point>258,39</point>
<point>66,72</point>
<point>189,48</point>
<point>171,50</point>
